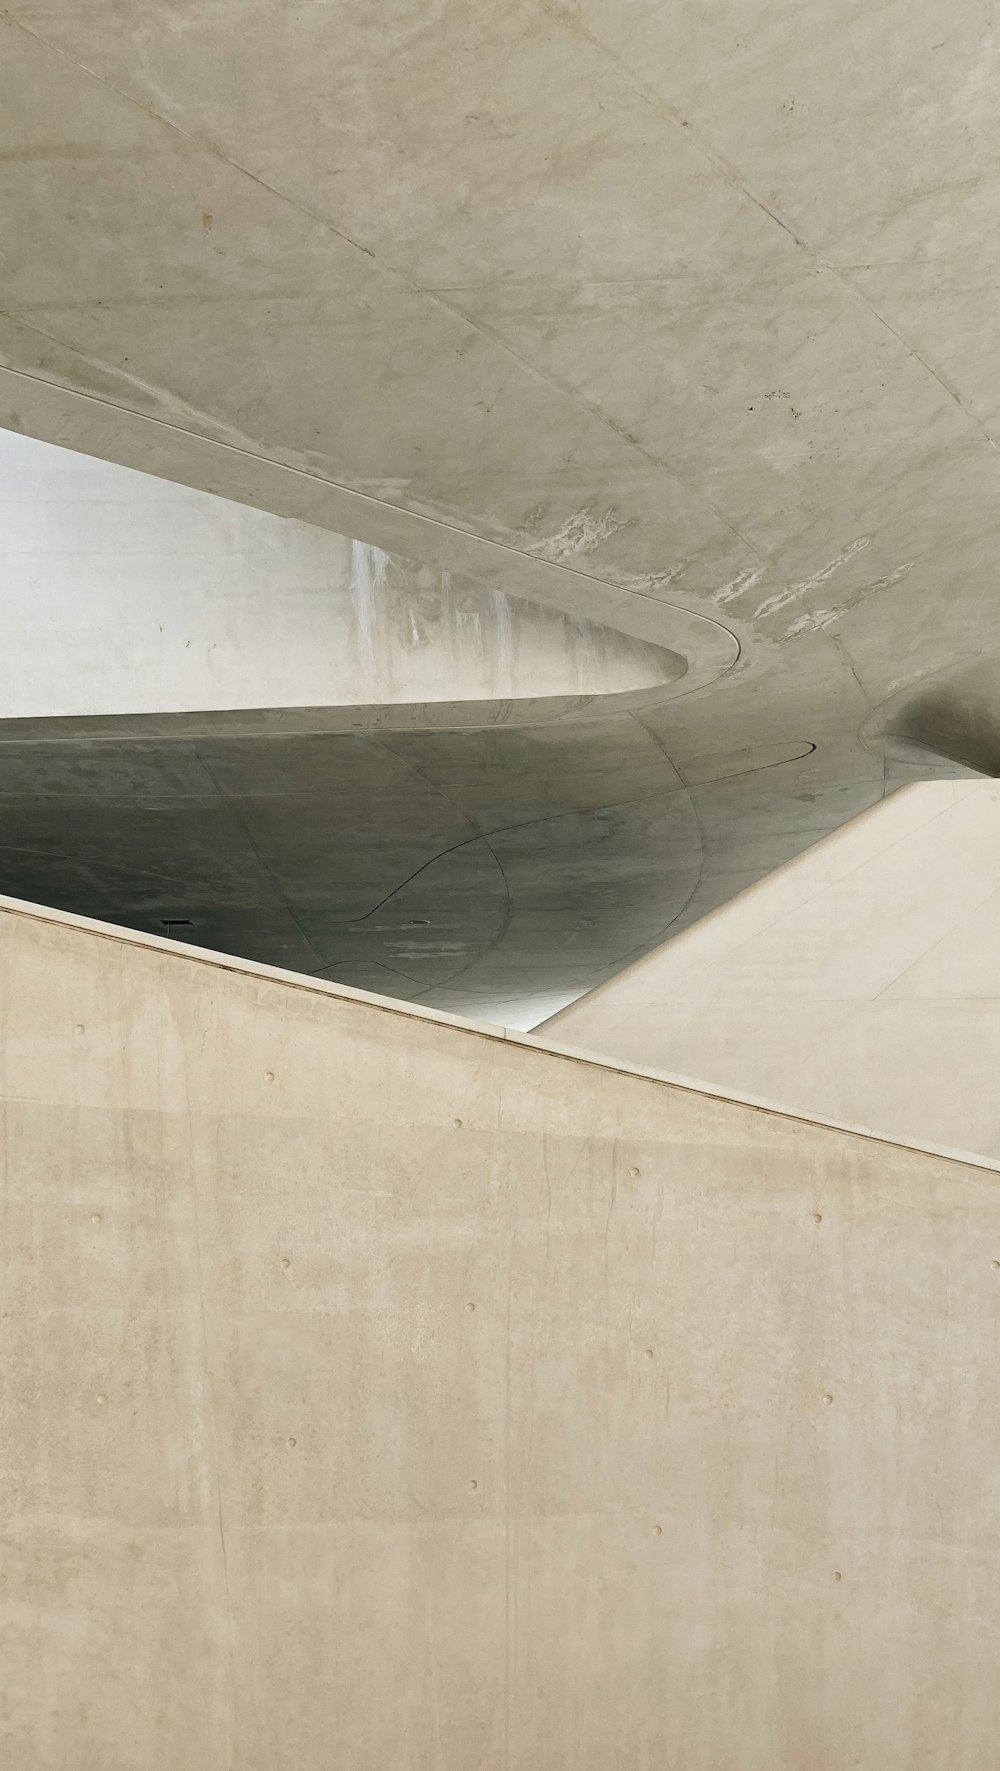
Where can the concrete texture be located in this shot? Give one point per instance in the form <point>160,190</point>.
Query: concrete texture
<point>861,982</point>
<point>241,752</point>
<point>678,322</point>
<point>381,1391</point>
<point>125,594</point>
<point>296,747</point>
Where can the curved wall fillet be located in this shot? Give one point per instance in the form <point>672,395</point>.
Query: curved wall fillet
<point>48,411</point>
<point>126,595</point>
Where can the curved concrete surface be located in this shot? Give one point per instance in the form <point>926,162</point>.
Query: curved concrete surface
<point>859,983</point>
<point>383,1392</point>
<point>125,594</point>
<point>213,769</point>
<point>676,321</point>
<point>674,324</point>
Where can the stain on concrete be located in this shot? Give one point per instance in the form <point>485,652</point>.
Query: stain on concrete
<point>745,580</point>
<point>820,618</point>
<point>782,598</point>
<point>580,533</point>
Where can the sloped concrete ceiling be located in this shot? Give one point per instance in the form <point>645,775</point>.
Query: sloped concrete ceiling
<point>700,293</point>
<point>271,740</point>
<point>658,314</point>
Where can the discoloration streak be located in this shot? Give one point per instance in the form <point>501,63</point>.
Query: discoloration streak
<point>648,583</point>
<point>820,618</point>
<point>745,580</point>
<point>582,532</point>
<point>781,598</point>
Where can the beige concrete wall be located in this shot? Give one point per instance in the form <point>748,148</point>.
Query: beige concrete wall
<point>861,982</point>
<point>384,1393</point>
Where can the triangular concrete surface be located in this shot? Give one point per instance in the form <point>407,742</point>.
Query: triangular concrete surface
<point>859,983</point>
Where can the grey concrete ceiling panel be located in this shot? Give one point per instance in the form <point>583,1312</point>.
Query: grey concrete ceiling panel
<point>677,321</point>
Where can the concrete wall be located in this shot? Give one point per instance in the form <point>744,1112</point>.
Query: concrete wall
<point>861,982</point>
<point>382,1392</point>
<point>121,593</point>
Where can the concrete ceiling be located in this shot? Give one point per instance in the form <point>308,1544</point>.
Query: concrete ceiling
<point>209,724</point>
<point>680,319</point>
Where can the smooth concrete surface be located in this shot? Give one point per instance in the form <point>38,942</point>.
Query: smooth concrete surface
<point>121,593</point>
<point>672,321</point>
<point>379,1391</point>
<point>497,872</point>
<point>210,725</point>
<point>861,982</point>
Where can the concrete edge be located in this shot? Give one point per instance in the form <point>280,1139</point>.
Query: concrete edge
<point>483,1029</point>
<point>53,410</point>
